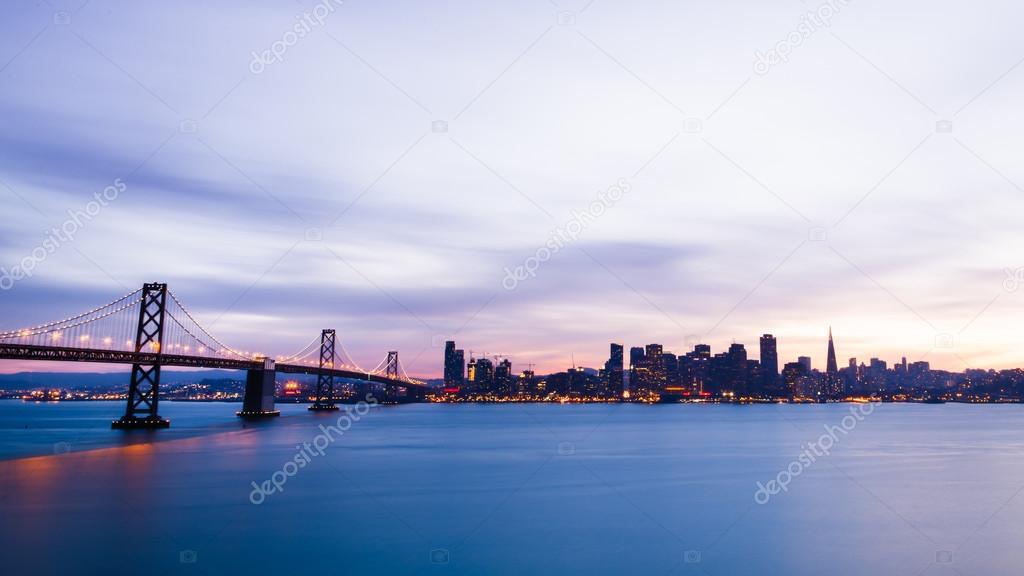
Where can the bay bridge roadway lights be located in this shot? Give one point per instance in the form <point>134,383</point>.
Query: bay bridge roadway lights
<point>141,410</point>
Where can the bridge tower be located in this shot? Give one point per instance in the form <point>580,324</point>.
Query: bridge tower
<point>392,392</point>
<point>391,369</point>
<point>144,389</point>
<point>325,382</point>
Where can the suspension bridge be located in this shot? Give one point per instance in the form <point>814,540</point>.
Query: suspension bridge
<point>150,328</point>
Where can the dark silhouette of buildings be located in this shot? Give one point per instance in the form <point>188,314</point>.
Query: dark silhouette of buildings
<point>480,372</point>
<point>737,373</point>
<point>769,362</point>
<point>806,361</point>
<point>504,381</point>
<point>454,367</point>
<point>658,375</point>
<point>526,385</point>
<point>794,377</point>
<point>648,373</point>
<point>833,384</point>
<point>614,371</point>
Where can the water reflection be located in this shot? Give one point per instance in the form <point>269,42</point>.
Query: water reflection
<point>535,489</point>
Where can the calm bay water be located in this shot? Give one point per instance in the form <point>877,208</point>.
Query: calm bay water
<point>514,489</point>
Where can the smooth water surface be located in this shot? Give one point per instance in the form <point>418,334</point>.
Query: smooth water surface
<point>514,489</point>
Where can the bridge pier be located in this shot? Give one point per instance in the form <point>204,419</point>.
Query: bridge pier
<point>259,392</point>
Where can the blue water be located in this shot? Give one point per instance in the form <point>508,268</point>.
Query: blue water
<point>515,489</point>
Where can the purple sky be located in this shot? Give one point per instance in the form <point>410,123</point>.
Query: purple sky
<point>322,191</point>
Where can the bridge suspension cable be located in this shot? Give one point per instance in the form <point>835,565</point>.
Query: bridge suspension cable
<point>382,370</point>
<point>79,319</point>
<point>109,326</point>
<point>188,328</point>
<point>114,327</point>
<point>346,359</point>
<point>404,376</point>
<point>304,355</point>
<point>379,369</point>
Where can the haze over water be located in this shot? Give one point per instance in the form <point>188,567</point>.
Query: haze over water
<point>516,489</point>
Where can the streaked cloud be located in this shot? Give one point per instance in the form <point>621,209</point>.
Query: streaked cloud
<point>382,175</point>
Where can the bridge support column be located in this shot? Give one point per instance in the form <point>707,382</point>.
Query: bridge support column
<point>324,381</point>
<point>259,392</point>
<point>144,389</point>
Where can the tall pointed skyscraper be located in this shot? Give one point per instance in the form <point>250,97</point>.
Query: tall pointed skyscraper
<point>833,385</point>
<point>832,367</point>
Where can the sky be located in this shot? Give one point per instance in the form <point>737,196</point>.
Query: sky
<point>534,179</point>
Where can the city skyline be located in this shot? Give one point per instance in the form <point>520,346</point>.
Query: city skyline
<point>584,359</point>
<point>347,185</point>
<point>768,347</point>
<point>654,374</point>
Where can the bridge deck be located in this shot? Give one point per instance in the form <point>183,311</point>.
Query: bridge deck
<point>58,354</point>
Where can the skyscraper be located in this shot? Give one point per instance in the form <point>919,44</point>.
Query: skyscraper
<point>832,367</point>
<point>613,370</point>
<point>833,385</point>
<point>794,375</point>
<point>481,374</point>
<point>769,362</point>
<point>736,379</point>
<point>636,364</point>
<point>527,382</point>
<point>651,376</point>
<point>454,366</point>
<point>806,361</point>
<point>697,368</point>
<point>503,382</point>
